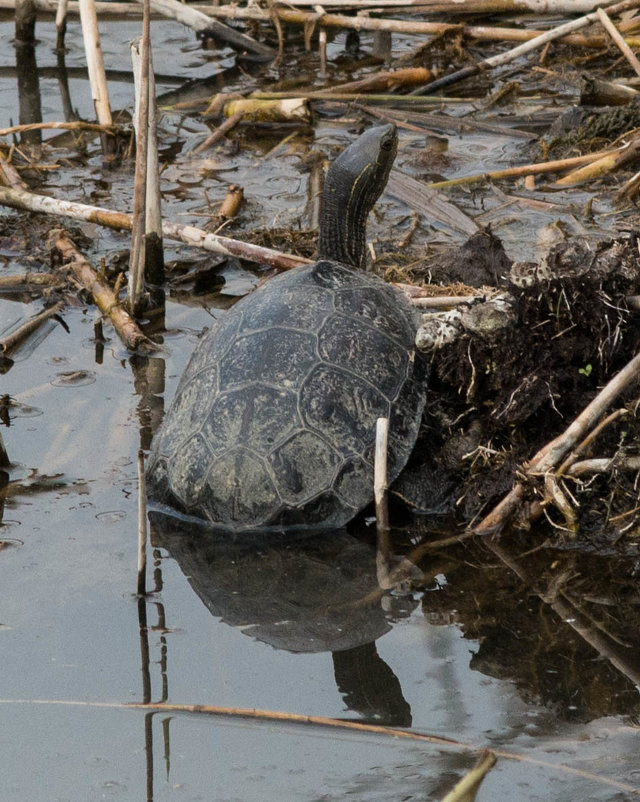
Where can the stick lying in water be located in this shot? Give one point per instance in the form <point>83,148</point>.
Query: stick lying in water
<point>20,199</point>
<point>102,294</point>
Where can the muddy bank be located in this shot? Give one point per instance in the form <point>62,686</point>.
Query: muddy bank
<point>514,367</point>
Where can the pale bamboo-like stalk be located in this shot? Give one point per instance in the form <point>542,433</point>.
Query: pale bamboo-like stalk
<point>528,169</point>
<point>380,475</point>
<point>466,789</point>
<point>95,63</point>
<point>618,39</point>
<point>61,23</point>
<point>102,294</point>
<point>142,527</point>
<point>11,341</point>
<point>190,235</point>
<point>602,166</point>
<point>153,250</point>
<point>470,6</point>
<point>135,287</point>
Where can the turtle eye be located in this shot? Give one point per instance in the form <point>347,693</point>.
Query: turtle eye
<point>387,143</point>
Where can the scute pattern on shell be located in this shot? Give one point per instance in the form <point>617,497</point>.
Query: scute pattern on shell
<point>273,423</point>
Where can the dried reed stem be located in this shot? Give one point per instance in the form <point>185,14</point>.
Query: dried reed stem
<point>228,11</point>
<point>153,248</point>
<point>380,475</point>
<point>135,288</point>
<point>77,125</point>
<point>538,41</point>
<point>220,132</point>
<point>618,39</point>
<point>528,169</point>
<point>95,63</point>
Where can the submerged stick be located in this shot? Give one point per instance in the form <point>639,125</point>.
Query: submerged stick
<point>4,457</point>
<point>19,199</point>
<point>11,341</point>
<point>22,280</point>
<point>102,294</point>
<point>142,527</point>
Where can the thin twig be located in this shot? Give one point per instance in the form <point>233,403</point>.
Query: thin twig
<point>321,721</point>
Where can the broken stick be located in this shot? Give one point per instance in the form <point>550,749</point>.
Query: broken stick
<point>104,297</point>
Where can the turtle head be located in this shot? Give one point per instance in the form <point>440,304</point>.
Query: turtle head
<point>355,181</point>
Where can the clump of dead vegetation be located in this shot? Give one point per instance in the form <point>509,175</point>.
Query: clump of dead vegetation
<point>511,380</point>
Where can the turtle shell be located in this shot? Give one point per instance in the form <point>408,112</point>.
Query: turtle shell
<point>273,422</point>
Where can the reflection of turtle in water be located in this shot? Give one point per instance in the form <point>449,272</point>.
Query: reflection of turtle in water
<point>273,423</point>
<point>313,594</point>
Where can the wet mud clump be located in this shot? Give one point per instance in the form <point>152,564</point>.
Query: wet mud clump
<point>510,373</point>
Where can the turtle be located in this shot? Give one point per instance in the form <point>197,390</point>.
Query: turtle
<point>273,422</point>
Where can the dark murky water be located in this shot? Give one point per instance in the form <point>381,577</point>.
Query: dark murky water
<point>534,657</point>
